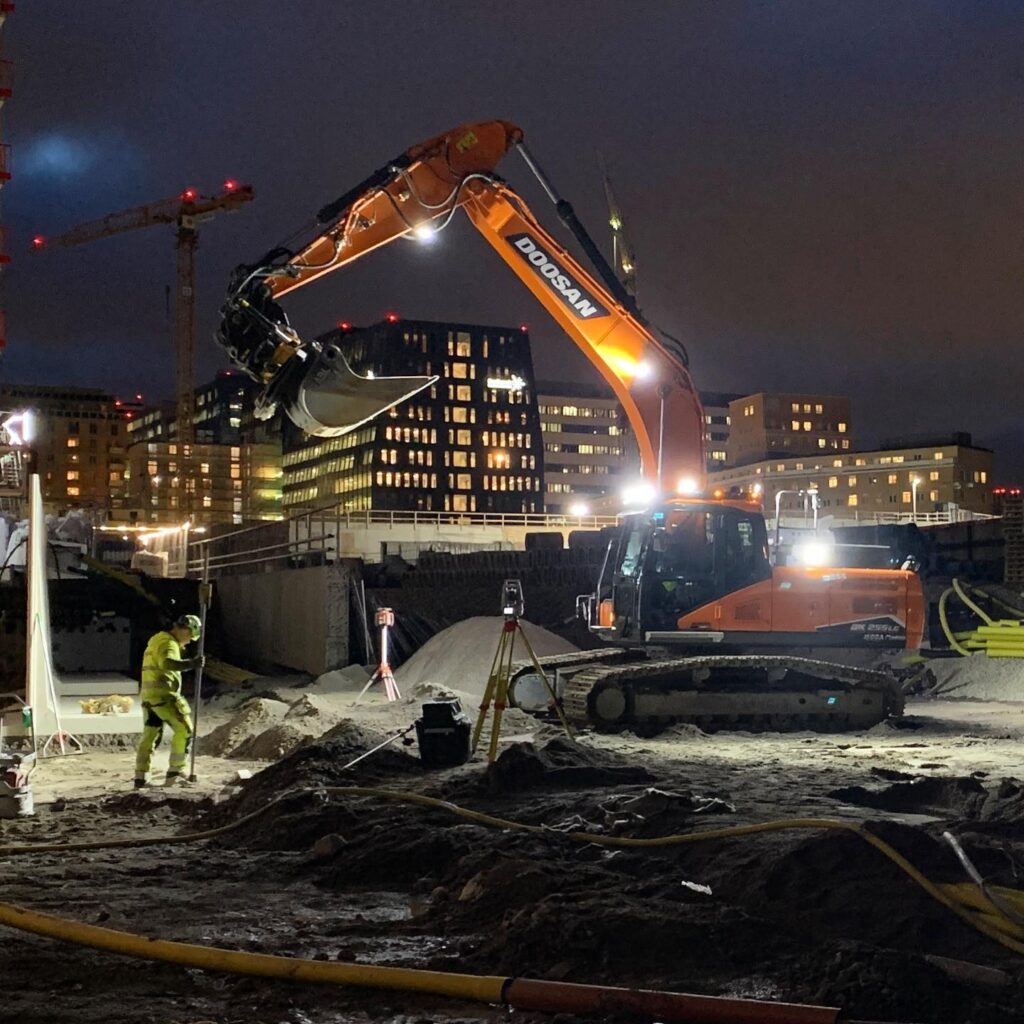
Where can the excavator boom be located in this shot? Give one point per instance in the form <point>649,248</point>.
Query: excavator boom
<point>414,197</point>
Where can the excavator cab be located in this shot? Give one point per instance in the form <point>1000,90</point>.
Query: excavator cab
<point>668,563</point>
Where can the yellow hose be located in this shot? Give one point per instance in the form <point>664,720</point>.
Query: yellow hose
<point>977,911</point>
<point>998,639</point>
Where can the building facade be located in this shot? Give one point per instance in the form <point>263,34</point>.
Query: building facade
<point>169,483</point>
<point>717,426</point>
<point>471,442</point>
<point>587,448</point>
<point>765,425</point>
<point>939,477</point>
<point>80,441</point>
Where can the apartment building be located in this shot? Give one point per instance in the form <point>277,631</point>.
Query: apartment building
<point>80,441</point>
<point>469,443</point>
<point>764,425</point>
<point>940,476</point>
<point>169,483</point>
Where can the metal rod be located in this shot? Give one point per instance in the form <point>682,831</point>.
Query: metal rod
<point>205,591</point>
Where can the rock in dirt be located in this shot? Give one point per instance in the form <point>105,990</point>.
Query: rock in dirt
<point>559,763</point>
<point>328,846</point>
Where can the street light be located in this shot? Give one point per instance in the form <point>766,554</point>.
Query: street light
<point>915,482</point>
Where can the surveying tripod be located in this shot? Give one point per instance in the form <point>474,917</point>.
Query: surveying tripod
<point>496,691</point>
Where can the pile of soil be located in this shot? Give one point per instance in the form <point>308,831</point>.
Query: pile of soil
<point>978,677</point>
<point>265,729</point>
<point>461,656</point>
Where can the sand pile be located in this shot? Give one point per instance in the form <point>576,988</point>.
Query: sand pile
<point>461,655</point>
<point>978,678</point>
<point>266,729</point>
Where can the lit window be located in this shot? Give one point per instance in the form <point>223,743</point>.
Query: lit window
<point>819,408</point>
<point>933,475</point>
<point>72,442</point>
<point>463,437</point>
<point>795,407</point>
<point>846,444</point>
<point>821,442</point>
<point>795,425</point>
<point>837,463</point>
<point>204,468</point>
<point>463,393</point>
<point>72,474</point>
<point>73,492</point>
<point>459,370</point>
<point>459,503</point>
<point>984,476</point>
<point>807,423</point>
<point>463,346</point>
<point>938,456</point>
<point>852,481</point>
<point>207,501</point>
<point>851,499</point>
<point>460,458</point>
<point>933,495</point>
<point>463,481</point>
<point>833,481</point>
<point>459,414</point>
<point>891,478</point>
<point>907,497</point>
<point>842,428</point>
<point>807,407</point>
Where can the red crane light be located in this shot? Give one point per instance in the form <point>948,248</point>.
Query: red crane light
<point>118,403</point>
<point>188,195</point>
<point>344,325</point>
<point>523,328</point>
<point>230,185</point>
<point>38,242</point>
<point>392,318</point>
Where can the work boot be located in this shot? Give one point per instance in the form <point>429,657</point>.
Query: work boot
<point>176,779</point>
<point>141,783</point>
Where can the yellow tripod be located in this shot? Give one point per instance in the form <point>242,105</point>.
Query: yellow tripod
<point>496,691</point>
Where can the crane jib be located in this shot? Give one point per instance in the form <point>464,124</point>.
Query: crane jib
<point>574,295</point>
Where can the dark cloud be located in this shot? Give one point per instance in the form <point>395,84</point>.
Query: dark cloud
<point>823,195</point>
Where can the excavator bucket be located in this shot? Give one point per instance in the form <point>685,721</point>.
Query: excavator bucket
<point>329,398</point>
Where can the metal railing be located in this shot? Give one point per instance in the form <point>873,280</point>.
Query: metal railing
<point>312,537</point>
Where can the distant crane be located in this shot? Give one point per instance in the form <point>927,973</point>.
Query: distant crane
<point>186,211</point>
<point>623,254</point>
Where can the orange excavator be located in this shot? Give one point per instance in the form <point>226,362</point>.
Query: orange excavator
<point>699,626</point>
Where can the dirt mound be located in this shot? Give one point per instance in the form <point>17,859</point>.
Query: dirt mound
<point>894,985</point>
<point>252,718</point>
<point>559,763</point>
<point>942,797</point>
<point>461,655</point>
<point>978,678</point>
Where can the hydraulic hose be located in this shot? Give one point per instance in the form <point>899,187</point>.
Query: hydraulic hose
<point>997,639</point>
<point>517,993</point>
<point>977,911</point>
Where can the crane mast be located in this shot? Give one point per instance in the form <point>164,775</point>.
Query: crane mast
<point>186,212</point>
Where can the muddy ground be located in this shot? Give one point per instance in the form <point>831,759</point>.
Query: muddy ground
<point>804,916</point>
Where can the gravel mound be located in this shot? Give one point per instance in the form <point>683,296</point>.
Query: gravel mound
<point>461,655</point>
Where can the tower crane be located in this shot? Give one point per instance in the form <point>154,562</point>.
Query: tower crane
<point>623,254</point>
<point>186,212</point>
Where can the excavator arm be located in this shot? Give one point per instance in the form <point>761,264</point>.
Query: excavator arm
<point>414,197</point>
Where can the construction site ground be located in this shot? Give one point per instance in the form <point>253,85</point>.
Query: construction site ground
<point>804,916</point>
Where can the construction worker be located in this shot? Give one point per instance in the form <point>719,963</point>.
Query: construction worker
<point>162,700</point>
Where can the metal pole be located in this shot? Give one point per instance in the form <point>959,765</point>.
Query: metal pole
<point>205,593</point>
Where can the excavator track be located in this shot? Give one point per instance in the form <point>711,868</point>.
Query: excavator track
<point>772,693</point>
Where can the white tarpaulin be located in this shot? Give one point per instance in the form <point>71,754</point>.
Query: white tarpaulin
<point>40,677</point>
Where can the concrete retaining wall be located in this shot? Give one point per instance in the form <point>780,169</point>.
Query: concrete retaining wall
<point>296,619</point>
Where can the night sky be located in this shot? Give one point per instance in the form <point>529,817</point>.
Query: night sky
<point>824,196</point>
